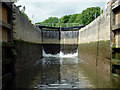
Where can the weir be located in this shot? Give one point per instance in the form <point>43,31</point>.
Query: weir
<point>60,39</point>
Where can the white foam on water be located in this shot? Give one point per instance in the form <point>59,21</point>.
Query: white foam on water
<point>61,54</point>
<point>49,55</point>
<point>70,55</point>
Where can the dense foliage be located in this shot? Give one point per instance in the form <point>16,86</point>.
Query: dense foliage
<point>88,15</point>
<point>50,21</point>
<point>72,18</point>
<point>83,18</point>
<point>65,19</point>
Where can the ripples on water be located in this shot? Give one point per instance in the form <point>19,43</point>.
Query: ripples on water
<point>67,71</point>
<point>61,71</point>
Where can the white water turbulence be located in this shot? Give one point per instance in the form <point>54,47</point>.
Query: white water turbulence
<point>49,55</point>
<point>61,54</point>
<point>69,55</point>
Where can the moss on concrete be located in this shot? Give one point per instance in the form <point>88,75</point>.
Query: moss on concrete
<point>115,53</point>
<point>21,41</point>
<point>96,54</point>
<point>115,62</point>
<point>6,44</point>
<point>6,61</point>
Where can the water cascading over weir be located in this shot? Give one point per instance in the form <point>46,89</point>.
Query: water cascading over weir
<point>60,40</point>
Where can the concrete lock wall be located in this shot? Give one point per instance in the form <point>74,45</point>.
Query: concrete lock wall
<point>50,37</point>
<point>26,54</point>
<point>21,45</point>
<point>24,30</point>
<point>94,43</point>
<point>27,40</point>
<point>51,41</point>
<point>60,37</point>
<point>69,41</point>
<point>69,37</point>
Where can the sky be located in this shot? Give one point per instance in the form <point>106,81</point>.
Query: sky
<point>39,10</point>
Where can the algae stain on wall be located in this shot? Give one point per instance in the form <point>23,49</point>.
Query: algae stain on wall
<point>94,43</point>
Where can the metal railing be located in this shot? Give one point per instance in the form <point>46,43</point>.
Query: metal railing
<point>59,24</point>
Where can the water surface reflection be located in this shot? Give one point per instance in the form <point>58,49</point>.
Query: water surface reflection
<point>70,72</point>
<point>53,71</point>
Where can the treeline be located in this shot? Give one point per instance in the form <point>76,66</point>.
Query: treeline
<point>84,18</point>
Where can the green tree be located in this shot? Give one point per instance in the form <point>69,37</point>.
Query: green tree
<point>65,19</point>
<point>83,18</point>
<point>88,15</point>
<point>15,0</point>
<point>72,18</point>
<point>62,20</point>
<point>51,20</point>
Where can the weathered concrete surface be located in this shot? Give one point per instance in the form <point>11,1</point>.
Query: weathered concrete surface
<point>50,37</point>
<point>94,43</point>
<point>28,74</point>
<point>27,41</point>
<point>23,50</point>
<point>97,30</point>
<point>68,48</point>
<point>96,54</point>
<point>69,37</point>
<point>51,41</point>
<point>69,41</point>
<point>24,30</point>
<point>26,55</point>
<point>56,41</point>
<point>28,79</point>
<point>60,37</point>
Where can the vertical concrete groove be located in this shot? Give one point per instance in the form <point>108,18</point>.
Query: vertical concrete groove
<point>111,36</point>
<point>98,42</point>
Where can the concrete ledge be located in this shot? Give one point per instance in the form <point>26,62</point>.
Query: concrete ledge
<point>115,5</point>
<point>7,25</point>
<point>24,30</point>
<point>116,27</point>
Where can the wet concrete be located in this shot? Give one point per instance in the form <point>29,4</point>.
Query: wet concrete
<point>96,54</point>
<point>18,58</point>
<point>68,48</point>
<point>57,48</point>
<point>51,48</point>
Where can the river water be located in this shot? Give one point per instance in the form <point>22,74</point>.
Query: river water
<point>68,71</point>
<point>62,71</point>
